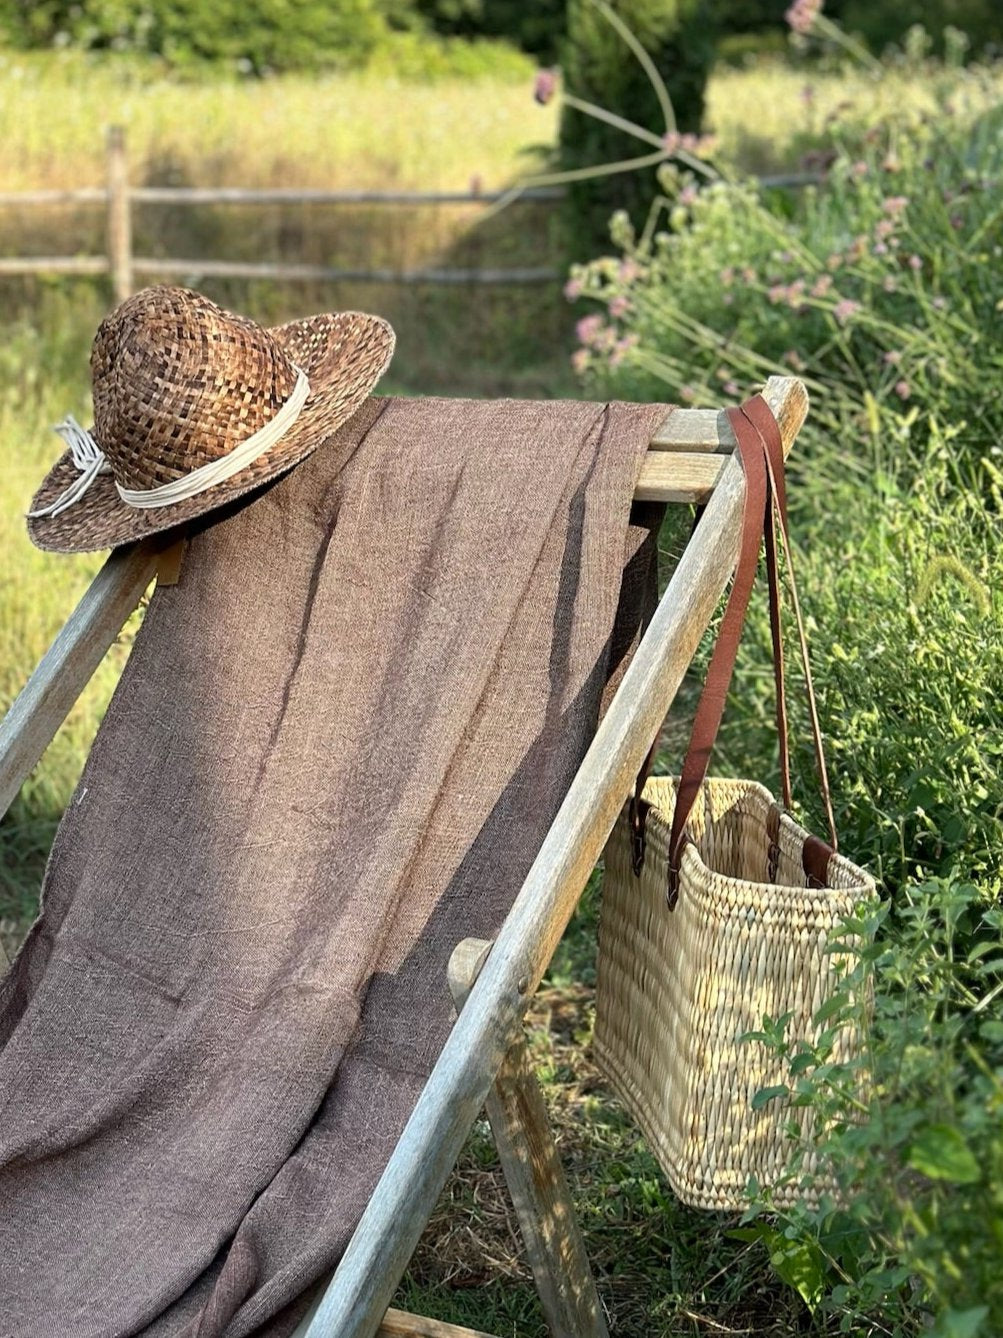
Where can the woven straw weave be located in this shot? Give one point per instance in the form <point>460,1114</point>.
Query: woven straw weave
<point>676,989</point>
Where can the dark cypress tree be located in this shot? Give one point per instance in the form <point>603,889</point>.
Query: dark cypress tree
<point>600,68</point>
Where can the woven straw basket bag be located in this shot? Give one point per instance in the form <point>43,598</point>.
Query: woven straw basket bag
<point>717,910</point>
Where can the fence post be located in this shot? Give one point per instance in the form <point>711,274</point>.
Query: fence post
<point>119,216</point>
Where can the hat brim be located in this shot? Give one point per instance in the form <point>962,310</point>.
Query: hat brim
<point>343,354</point>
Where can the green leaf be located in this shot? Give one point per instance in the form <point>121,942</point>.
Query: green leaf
<point>833,1005</point>
<point>992,1032</point>
<point>801,1266</point>
<point>960,1323</point>
<point>940,1152</point>
<point>767,1094</point>
<point>799,1263</point>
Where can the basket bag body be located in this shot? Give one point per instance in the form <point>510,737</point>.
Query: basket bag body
<point>717,909</point>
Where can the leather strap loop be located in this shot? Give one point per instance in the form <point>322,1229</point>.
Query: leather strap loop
<point>759,414</point>
<point>722,662</point>
<point>764,513</point>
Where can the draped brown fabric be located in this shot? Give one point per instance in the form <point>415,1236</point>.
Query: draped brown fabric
<point>334,752</point>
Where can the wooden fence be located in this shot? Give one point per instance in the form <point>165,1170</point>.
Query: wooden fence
<point>120,262</point>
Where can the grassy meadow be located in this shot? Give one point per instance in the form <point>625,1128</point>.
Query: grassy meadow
<point>663,1270</point>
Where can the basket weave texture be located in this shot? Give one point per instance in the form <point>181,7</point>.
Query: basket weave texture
<point>677,988</point>
<point>179,383</point>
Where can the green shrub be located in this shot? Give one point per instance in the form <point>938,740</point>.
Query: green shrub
<point>598,68</point>
<point>880,289</point>
<point>256,34</point>
<point>261,36</point>
<point>537,28</point>
<point>888,23</point>
<point>912,1129</point>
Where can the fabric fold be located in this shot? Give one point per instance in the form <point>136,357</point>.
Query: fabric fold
<point>334,752</point>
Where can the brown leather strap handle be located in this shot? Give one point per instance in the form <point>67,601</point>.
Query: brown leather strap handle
<point>758,413</point>
<point>760,449</point>
<point>710,708</point>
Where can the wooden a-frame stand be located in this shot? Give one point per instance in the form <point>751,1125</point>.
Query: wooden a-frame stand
<point>484,1061</point>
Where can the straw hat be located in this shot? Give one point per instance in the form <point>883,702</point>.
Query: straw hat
<point>194,406</point>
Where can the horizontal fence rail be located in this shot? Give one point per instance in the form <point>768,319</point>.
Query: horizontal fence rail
<point>120,262</point>
<point>119,197</point>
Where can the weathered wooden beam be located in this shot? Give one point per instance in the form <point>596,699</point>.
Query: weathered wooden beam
<point>53,265</point>
<point>306,195</point>
<point>382,1244</point>
<point>66,667</point>
<point>82,195</point>
<point>695,430</point>
<point>667,476</point>
<point>535,1177</point>
<point>399,1324</point>
<point>240,269</point>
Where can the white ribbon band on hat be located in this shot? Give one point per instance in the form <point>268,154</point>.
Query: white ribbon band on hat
<point>90,460</point>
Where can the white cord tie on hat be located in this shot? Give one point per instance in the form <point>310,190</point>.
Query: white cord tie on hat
<point>90,460</point>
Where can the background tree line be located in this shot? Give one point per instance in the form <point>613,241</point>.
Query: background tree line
<point>296,34</point>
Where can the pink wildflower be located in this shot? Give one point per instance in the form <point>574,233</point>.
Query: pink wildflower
<point>749,275</point>
<point>794,359</point>
<point>727,276</point>
<point>884,228</point>
<point>621,348</point>
<point>802,15</point>
<point>687,394</point>
<point>895,204</point>
<point>544,86</point>
<point>588,330</point>
<point>859,168</point>
<point>881,249</point>
<point>892,358</point>
<point>573,290</point>
<point>730,388</point>
<point>688,195</point>
<point>619,306</point>
<point>903,389</point>
<point>671,141</point>
<point>628,271</point>
<point>580,360</point>
<point>915,263</point>
<point>844,309</point>
<point>821,285</point>
<point>776,293</point>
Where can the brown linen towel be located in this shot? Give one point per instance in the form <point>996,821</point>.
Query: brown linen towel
<point>334,752</point>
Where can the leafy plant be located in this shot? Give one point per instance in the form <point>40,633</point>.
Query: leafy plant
<point>911,1241</point>
<point>600,69</point>
<point>877,288</point>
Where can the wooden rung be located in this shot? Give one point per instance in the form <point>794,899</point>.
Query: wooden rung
<point>706,430</point>
<point>399,1324</point>
<point>667,476</point>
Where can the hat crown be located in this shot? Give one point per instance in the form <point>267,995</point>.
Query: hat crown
<point>178,382</point>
